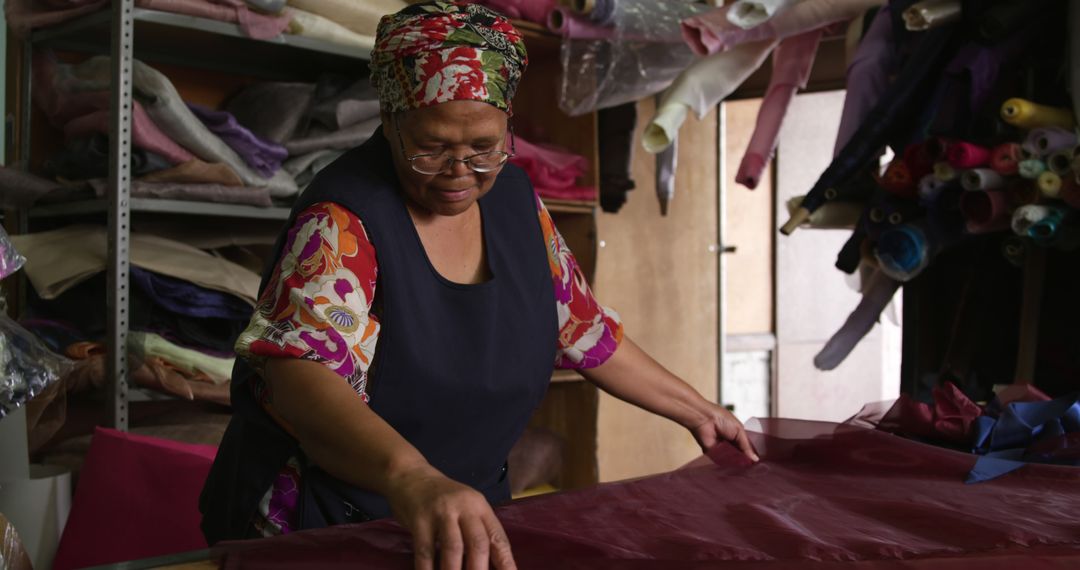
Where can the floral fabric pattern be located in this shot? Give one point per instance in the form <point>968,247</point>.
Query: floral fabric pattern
<point>317,302</point>
<point>436,52</point>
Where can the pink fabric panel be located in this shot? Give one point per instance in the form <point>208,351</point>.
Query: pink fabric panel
<point>552,170</point>
<point>792,61</point>
<point>137,498</point>
<point>145,134</point>
<point>824,496</point>
<point>254,24</point>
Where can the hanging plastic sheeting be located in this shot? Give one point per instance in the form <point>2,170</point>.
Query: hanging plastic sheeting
<point>10,259</point>
<point>27,367</point>
<point>644,54</point>
<point>824,496</point>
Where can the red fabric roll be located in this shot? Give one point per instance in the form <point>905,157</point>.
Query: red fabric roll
<point>1005,159</point>
<point>967,155</point>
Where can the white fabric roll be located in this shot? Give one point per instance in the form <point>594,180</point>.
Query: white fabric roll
<point>361,17</point>
<point>311,25</point>
<point>749,13</point>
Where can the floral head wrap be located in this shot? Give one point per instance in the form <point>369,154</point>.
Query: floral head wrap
<point>434,52</point>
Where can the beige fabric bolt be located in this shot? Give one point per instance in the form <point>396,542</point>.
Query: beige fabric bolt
<point>60,259</point>
<point>312,25</point>
<point>360,17</point>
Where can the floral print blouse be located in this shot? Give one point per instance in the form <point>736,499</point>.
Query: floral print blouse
<point>316,307</point>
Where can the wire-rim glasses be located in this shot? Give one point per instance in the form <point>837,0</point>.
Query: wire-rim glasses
<point>438,162</point>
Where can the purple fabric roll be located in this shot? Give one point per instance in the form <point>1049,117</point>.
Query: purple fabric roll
<point>867,76</point>
<point>262,156</point>
<point>187,299</point>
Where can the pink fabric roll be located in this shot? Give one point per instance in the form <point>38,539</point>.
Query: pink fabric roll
<point>572,25</point>
<point>145,134</point>
<point>792,61</point>
<point>1005,158</point>
<point>985,211</point>
<point>712,32</point>
<point>967,155</point>
<point>254,24</point>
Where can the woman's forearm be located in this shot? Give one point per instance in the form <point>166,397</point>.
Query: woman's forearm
<point>336,429</point>
<point>633,376</point>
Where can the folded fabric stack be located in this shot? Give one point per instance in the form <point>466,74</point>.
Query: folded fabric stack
<point>344,22</point>
<point>187,308</point>
<point>554,171</point>
<point>314,122</point>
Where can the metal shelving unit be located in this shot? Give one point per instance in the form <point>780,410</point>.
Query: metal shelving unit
<point>166,38</point>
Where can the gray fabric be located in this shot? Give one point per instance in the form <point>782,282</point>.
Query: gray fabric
<point>168,111</point>
<point>20,189</point>
<point>272,110</point>
<point>306,166</point>
<point>269,6</point>
<point>356,103</point>
<point>193,192</point>
<point>342,139</point>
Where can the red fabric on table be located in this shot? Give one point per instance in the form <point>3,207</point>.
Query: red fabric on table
<point>137,497</point>
<point>824,496</point>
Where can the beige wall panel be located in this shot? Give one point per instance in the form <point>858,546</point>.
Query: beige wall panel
<point>659,274</point>
<point>748,225</point>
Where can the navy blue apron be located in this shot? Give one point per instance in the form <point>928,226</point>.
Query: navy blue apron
<point>458,369</point>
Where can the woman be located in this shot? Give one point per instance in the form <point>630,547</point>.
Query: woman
<point>425,272</point>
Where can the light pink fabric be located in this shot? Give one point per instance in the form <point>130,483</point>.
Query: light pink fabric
<point>792,61</point>
<point>254,24</point>
<point>712,32</point>
<point>553,170</point>
<point>145,134</point>
<point>24,15</point>
<point>532,10</point>
<point>572,25</point>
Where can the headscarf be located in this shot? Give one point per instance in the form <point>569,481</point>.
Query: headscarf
<point>434,52</point>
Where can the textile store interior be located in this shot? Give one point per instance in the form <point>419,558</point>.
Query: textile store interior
<point>851,223</point>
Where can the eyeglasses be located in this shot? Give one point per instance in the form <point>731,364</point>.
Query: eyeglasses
<point>437,163</point>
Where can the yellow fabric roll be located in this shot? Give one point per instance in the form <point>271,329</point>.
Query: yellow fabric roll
<point>1027,115</point>
<point>360,17</point>
<point>1049,184</point>
<point>930,14</point>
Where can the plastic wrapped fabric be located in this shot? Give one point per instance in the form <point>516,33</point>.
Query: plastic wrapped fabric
<point>13,555</point>
<point>643,56</point>
<point>10,259</point>
<point>27,366</point>
<point>824,496</point>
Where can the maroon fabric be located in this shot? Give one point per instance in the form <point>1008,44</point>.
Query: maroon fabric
<point>824,496</point>
<point>137,498</point>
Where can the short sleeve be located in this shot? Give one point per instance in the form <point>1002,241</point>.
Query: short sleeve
<point>317,303</point>
<point>589,333</point>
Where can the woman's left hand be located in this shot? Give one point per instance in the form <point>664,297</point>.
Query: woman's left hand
<point>721,425</point>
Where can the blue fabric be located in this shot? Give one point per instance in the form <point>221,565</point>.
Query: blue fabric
<point>187,299</point>
<point>1006,442</point>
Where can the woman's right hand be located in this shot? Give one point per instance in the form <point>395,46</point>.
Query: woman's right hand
<point>450,518</point>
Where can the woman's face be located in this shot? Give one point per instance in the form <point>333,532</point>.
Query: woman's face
<point>458,128</point>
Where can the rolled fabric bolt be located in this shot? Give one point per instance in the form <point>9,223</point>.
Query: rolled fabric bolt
<point>918,160</point>
<point>1048,140</point>
<point>567,24</point>
<point>1025,218</point>
<point>581,6</point>
<point>1031,168</point>
<point>981,179</point>
<point>750,13</point>
<point>1060,163</point>
<point>877,215</point>
<point>1049,184</point>
<point>967,155</point>
<point>985,212</point>
<point>797,219</point>
<point>1005,158</point>
<point>833,215</point>
<point>929,189</point>
<point>927,14</point>
<point>664,128</point>
<point>944,171</point>
<point>1027,115</point>
<point>903,252</point>
<point>896,218</point>
<point>897,180</point>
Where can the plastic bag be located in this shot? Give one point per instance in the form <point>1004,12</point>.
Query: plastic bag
<point>644,55</point>
<point>27,366</point>
<point>13,555</point>
<point>10,259</point>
